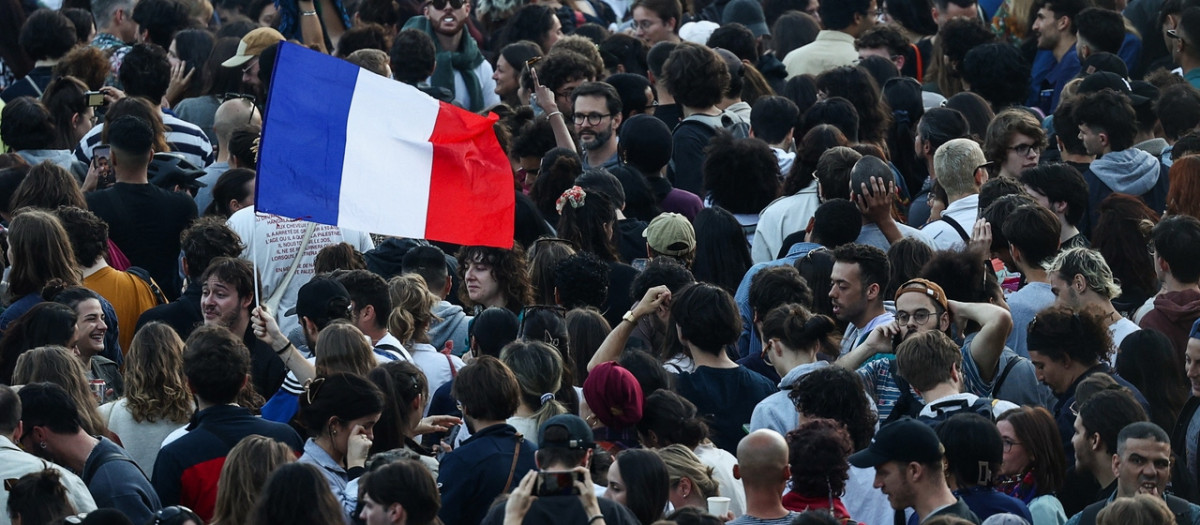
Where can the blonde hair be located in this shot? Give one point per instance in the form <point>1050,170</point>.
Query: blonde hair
<point>58,365</point>
<point>246,470</point>
<point>683,463</point>
<point>155,387</point>
<point>1142,509</point>
<point>341,347</point>
<point>412,308</point>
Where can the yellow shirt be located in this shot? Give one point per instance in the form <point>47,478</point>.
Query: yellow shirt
<point>129,295</point>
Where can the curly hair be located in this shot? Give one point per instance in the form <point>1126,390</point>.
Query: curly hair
<point>740,174</point>
<point>206,239</point>
<point>364,36</point>
<point>1061,334</point>
<point>1109,112</point>
<point>586,225</point>
<point>561,67</point>
<point>959,274</point>
<point>998,73</point>
<point>583,46</point>
<point>508,268</point>
<point>87,63</point>
<point>581,280</point>
<point>155,387</point>
<point>87,232</point>
<point>817,453</point>
<point>559,169</point>
<point>247,467</point>
<point>695,75</point>
<point>1006,124</point>
<point>857,86</point>
<point>532,139</point>
<point>836,393</point>
<point>412,308</point>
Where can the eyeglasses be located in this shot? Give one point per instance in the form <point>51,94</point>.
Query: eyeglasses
<point>1023,149</point>
<point>593,119</point>
<point>170,513</point>
<point>1008,444</point>
<point>441,4</point>
<point>249,65</point>
<point>919,317</point>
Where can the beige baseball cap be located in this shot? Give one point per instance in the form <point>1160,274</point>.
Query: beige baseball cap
<point>670,234</point>
<point>253,44</point>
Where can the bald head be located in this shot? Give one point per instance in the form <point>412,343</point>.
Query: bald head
<point>232,114</point>
<point>762,458</point>
<point>868,167</point>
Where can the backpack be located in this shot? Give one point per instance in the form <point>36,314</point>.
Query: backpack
<point>141,273</point>
<point>727,121</point>
<point>908,405</point>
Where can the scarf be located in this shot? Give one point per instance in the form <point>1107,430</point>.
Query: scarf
<point>799,503</point>
<point>465,60</point>
<point>1023,487</point>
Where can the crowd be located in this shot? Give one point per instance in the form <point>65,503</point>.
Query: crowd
<point>774,262</point>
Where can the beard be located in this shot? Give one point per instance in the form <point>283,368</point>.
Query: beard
<point>599,140</point>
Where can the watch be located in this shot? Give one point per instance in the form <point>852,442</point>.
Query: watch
<point>629,317</point>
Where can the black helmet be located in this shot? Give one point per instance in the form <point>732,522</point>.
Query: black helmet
<point>169,170</point>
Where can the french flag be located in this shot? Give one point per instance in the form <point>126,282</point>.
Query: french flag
<point>344,146</point>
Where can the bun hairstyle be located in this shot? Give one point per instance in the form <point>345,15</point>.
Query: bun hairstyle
<point>800,330</point>
<point>39,497</point>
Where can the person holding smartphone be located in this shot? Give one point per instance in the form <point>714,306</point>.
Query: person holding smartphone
<point>561,489</point>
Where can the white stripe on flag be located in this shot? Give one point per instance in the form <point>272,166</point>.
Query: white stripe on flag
<point>389,160</point>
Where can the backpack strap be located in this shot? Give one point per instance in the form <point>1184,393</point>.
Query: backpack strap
<point>141,273</point>
<point>957,227</point>
<point>904,406</point>
<point>1012,363</point>
<point>94,467</point>
<point>516,454</point>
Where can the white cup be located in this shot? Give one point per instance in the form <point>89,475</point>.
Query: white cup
<point>718,506</point>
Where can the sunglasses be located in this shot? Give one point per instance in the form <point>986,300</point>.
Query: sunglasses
<point>441,4</point>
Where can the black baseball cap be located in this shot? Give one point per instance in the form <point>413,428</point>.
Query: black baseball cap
<point>1104,79</point>
<point>579,434</point>
<point>1103,61</point>
<point>313,299</point>
<point>903,440</point>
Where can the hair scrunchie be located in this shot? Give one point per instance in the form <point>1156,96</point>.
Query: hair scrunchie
<point>547,397</point>
<point>574,196</point>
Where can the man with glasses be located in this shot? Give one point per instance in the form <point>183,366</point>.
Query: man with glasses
<point>251,46</point>
<point>597,115</point>
<point>15,462</point>
<point>1143,466</point>
<point>460,67</point>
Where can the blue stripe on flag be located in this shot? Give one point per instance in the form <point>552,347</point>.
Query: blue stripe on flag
<point>304,135</point>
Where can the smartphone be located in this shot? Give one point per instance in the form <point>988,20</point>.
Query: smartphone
<point>102,158</point>
<point>640,264</point>
<point>94,98</point>
<point>558,483</point>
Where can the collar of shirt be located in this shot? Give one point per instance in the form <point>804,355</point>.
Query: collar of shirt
<point>321,458</point>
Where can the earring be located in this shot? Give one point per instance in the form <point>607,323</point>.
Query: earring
<point>42,444</point>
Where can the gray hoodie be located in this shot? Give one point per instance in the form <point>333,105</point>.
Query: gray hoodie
<point>62,157</point>
<point>1131,171</point>
<point>451,327</point>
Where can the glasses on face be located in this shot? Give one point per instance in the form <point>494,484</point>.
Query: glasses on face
<point>249,65</point>
<point>593,119</point>
<point>918,317</point>
<point>1008,444</point>
<point>170,513</point>
<point>528,172</point>
<point>644,24</point>
<point>1023,149</point>
<point>441,4</point>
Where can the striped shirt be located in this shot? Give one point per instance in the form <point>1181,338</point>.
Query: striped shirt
<point>877,376</point>
<point>183,137</point>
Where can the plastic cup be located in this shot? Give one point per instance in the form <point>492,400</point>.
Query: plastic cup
<point>718,506</point>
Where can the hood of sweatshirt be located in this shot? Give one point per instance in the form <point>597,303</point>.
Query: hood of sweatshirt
<point>1177,306</point>
<point>1130,171</point>
<point>453,319</point>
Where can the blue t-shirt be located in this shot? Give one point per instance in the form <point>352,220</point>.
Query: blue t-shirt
<point>727,397</point>
<point>1024,304</point>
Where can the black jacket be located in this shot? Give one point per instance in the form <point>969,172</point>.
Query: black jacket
<point>182,314</point>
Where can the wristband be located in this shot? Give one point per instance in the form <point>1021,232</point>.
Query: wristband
<point>308,13</point>
<point>283,350</point>
<point>559,113</point>
<point>594,519</point>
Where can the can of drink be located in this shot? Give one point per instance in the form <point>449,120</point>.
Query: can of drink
<point>99,387</point>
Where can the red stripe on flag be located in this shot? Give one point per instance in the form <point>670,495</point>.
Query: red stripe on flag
<point>471,195</point>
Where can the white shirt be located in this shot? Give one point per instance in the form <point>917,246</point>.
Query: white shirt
<point>436,365</point>
<point>783,217</point>
<point>1119,330</point>
<point>272,242</point>
<point>15,463</point>
<point>964,211</point>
